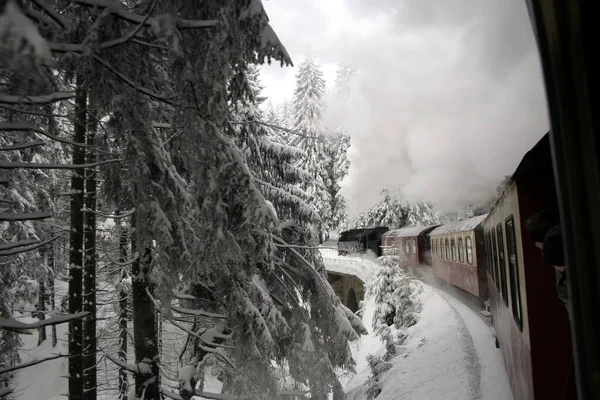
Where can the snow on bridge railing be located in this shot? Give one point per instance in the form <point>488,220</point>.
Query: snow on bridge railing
<point>361,267</point>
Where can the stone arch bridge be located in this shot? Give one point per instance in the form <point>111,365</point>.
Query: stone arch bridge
<point>347,276</point>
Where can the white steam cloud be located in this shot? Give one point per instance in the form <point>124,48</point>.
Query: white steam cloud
<point>447,97</point>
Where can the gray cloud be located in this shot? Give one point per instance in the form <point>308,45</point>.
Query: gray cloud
<point>447,98</point>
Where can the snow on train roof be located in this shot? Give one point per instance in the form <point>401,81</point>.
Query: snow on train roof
<point>459,226</point>
<point>406,232</point>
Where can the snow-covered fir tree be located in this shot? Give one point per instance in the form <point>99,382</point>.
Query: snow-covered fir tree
<point>308,109</point>
<point>394,212</point>
<point>337,166</point>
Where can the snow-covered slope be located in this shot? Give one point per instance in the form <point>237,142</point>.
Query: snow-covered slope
<point>448,355</point>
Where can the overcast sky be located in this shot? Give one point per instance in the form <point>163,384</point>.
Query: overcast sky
<point>447,98</point>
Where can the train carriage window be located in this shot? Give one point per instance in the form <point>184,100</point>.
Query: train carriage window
<point>406,246</point>
<point>469,246</point>
<point>437,248</point>
<point>447,255</point>
<point>461,253</point>
<point>453,247</point>
<point>513,270</point>
<point>491,266</point>
<point>501,263</point>
<point>414,246</point>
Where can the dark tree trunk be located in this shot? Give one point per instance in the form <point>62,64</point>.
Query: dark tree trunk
<point>42,305</point>
<point>123,295</point>
<point>52,296</point>
<point>76,247</point>
<point>89,274</point>
<point>144,324</point>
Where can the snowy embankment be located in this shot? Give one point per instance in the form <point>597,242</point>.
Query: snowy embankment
<point>449,354</point>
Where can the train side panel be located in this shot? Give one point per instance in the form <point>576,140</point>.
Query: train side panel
<point>513,339</point>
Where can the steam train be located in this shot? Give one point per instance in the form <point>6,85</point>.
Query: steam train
<point>493,259</point>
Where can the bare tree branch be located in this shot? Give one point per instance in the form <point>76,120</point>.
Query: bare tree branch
<point>281,128</point>
<point>18,127</point>
<point>25,165</point>
<point>72,47</point>
<point>123,215</point>
<point>31,363</point>
<point>22,249</point>
<point>120,11</point>
<point>24,216</point>
<point>12,245</point>
<point>131,83</point>
<point>42,99</point>
<point>44,5</point>
<point>23,146</point>
<point>23,328</point>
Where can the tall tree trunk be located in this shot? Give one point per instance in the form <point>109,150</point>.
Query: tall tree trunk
<point>89,273</point>
<point>42,302</point>
<point>52,296</point>
<point>123,295</point>
<point>76,247</point>
<point>144,324</point>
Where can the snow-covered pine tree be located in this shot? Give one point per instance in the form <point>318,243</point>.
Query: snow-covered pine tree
<point>394,212</point>
<point>308,108</point>
<point>336,167</point>
<point>343,79</point>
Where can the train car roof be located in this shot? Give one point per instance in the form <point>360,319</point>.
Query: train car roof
<point>459,226</point>
<point>353,234</point>
<point>536,159</point>
<point>409,231</point>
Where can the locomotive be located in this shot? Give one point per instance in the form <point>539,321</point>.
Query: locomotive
<point>493,259</point>
<point>361,240</point>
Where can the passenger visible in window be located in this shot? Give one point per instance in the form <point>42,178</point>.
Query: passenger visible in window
<point>544,229</point>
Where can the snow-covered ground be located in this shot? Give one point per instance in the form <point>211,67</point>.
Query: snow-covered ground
<point>47,380</point>
<point>448,355</point>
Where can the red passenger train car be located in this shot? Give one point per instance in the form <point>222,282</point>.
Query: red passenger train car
<point>411,243</point>
<point>530,321</point>
<point>458,255</point>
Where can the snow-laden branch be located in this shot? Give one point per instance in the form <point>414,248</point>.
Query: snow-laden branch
<point>42,99</point>
<point>21,327</point>
<point>199,313</point>
<point>118,10</point>
<point>281,128</point>
<point>6,391</point>
<point>23,146</point>
<point>31,363</point>
<point>227,396</point>
<point>162,125</point>
<point>18,127</point>
<point>22,249</point>
<point>131,83</point>
<point>26,165</point>
<point>24,216</point>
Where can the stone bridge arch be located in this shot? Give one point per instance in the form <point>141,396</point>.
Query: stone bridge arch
<point>349,288</point>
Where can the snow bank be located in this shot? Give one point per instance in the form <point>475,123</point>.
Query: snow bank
<point>448,355</point>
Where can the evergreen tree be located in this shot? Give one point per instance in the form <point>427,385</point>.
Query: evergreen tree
<point>336,167</point>
<point>394,212</point>
<point>308,109</point>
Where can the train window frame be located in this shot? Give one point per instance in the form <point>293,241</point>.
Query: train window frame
<point>453,248</point>
<point>513,272</point>
<point>460,248</point>
<point>469,246</point>
<point>501,268</point>
<point>447,248</point>
<point>414,246</point>
<point>406,246</point>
